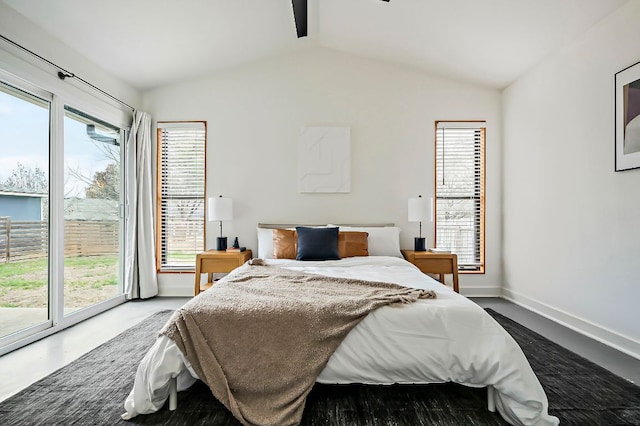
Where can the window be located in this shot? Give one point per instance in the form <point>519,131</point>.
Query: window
<point>459,190</point>
<point>181,195</point>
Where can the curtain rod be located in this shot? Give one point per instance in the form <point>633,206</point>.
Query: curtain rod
<point>63,73</point>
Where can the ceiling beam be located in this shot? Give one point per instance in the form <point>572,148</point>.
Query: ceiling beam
<point>300,16</point>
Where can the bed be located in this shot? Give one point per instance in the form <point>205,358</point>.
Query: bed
<point>446,339</point>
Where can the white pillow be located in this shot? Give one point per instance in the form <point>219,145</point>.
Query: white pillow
<point>265,243</point>
<point>383,240</point>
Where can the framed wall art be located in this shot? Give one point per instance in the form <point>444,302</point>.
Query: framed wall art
<point>324,159</point>
<point>627,118</point>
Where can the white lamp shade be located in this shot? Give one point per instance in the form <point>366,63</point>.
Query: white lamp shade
<point>418,210</point>
<point>219,208</point>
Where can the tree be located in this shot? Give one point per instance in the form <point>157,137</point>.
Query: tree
<point>105,184</point>
<point>26,179</point>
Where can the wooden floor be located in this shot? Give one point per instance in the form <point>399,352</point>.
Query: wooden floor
<point>27,365</point>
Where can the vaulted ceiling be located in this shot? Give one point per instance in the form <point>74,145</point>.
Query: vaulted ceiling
<point>150,43</point>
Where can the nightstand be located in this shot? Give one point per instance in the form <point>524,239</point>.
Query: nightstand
<point>218,262</point>
<point>435,263</point>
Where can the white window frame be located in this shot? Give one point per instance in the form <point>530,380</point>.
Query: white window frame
<point>47,87</point>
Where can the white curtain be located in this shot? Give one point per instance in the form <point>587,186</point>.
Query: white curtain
<point>141,280</point>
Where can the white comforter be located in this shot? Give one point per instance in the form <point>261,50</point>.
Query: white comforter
<point>449,339</point>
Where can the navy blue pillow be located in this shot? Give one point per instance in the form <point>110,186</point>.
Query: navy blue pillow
<point>317,243</point>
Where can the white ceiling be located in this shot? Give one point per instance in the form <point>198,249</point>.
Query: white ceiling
<point>149,43</point>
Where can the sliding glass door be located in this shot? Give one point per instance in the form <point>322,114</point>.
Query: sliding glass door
<point>61,214</point>
<point>24,210</point>
<point>92,213</point>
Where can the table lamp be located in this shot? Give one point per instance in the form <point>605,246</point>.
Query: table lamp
<point>220,209</point>
<point>418,211</point>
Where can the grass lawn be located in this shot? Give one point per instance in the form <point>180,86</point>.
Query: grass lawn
<point>24,283</point>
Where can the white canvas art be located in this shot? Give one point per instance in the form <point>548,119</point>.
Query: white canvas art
<point>324,159</point>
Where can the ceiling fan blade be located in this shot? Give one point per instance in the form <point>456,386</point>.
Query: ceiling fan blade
<point>300,16</point>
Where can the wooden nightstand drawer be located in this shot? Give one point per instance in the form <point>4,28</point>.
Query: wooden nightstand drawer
<point>219,265</point>
<point>435,263</point>
<point>217,262</point>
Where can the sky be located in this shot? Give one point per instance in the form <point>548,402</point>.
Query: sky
<point>24,137</point>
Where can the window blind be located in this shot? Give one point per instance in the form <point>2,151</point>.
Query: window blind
<point>181,194</point>
<point>459,192</point>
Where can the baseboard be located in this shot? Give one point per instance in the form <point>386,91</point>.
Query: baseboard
<point>601,334</point>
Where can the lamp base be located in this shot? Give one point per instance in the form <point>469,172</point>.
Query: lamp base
<point>420,244</point>
<point>221,243</point>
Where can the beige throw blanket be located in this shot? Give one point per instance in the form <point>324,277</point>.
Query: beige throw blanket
<point>260,337</point>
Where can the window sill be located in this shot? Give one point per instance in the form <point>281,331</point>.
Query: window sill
<point>177,271</point>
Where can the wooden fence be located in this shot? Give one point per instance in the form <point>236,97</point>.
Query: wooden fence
<point>24,240</point>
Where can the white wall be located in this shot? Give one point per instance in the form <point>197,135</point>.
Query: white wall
<point>22,31</point>
<point>570,223</point>
<point>254,114</point>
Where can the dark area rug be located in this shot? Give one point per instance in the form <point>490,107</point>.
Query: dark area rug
<point>92,389</point>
